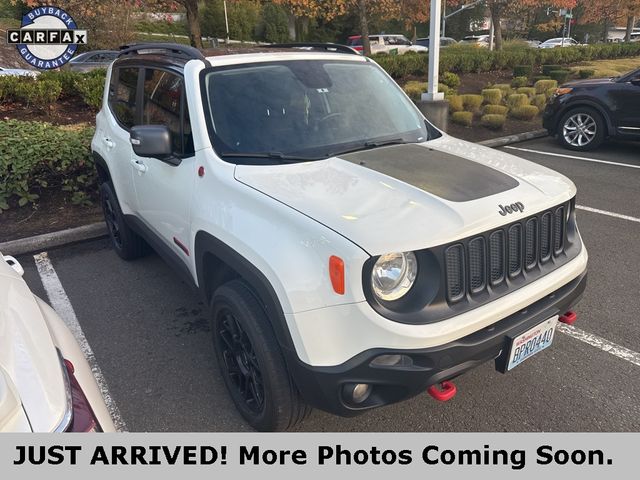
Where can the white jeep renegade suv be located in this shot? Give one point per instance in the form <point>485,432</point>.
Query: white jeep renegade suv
<point>352,254</point>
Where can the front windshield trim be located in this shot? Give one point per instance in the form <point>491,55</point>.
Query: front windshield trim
<point>328,151</point>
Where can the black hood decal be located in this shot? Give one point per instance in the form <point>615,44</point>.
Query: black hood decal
<point>448,176</point>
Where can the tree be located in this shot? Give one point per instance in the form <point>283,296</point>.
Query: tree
<point>609,11</point>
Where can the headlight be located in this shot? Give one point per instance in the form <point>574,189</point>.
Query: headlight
<point>562,91</point>
<point>393,275</point>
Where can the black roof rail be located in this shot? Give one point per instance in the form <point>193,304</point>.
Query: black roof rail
<point>173,49</point>
<point>329,47</point>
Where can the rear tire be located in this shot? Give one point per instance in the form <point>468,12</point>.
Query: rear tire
<point>127,244</point>
<point>581,129</point>
<point>251,361</point>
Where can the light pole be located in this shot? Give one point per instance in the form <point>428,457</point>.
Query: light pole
<point>226,20</point>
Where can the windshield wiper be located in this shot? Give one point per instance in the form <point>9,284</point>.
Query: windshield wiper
<point>371,144</point>
<point>384,143</point>
<point>274,155</point>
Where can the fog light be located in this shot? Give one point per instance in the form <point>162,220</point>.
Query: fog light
<point>356,392</point>
<point>391,361</point>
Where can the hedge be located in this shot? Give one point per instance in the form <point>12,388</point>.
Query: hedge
<point>38,155</point>
<point>493,121</point>
<point>524,112</point>
<point>462,118</point>
<point>468,59</point>
<point>492,96</point>
<point>43,91</point>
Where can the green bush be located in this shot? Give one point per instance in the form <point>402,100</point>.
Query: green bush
<point>518,82</point>
<point>505,87</point>
<point>465,59</point>
<point>462,118</point>
<point>91,89</point>
<point>522,71</point>
<point>455,103</point>
<point>450,79</point>
<point>537,78</point>
<point>8,85</point>
<point>36,155</point>
<point>67,79</point>
<point>586,73</point>
<point>41,94</point>
<point>492,96</point>
<point>495,110</point>
<point>547,69</point>
<point>516,100</point>
<point>539,101</point>
<point>542,86</point>
<point>414,90</point>
<point>524,112</point>
<point>560,76</point>
<point>529,91</point>
<point>493,121</point>
<point>472,102</point>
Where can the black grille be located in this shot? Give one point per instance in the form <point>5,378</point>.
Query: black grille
<point>455,272</point>
<point>496,256</point>
<point>545,237</point>
<point>505,256</point>
<point>477,264</point>
<point>531,243</point>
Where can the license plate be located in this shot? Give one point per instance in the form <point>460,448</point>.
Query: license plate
<point>531,342</point>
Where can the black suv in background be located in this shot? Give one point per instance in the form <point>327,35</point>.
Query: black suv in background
<point>586,112</point>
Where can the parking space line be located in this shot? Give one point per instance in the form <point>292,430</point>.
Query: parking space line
<point>601,343</point>
<point>574,157</point>
<point>610,214</point>
<point>61,304</point>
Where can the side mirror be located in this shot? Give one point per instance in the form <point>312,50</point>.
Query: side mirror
<point>636,81</point>
<point>153,141</point>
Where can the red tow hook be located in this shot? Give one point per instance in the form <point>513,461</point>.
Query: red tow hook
<point>569,318</point>
<point>446,391</point>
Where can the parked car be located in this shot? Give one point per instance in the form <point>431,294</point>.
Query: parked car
<point>20,72</point>
<point>584,113</point>
<point>88,61</point>
<point>386,44</point>
<point>46,385</point>
<point>351,254</point>
<point>559,42</point>
<point>476,40</point>
<point>444,42</point>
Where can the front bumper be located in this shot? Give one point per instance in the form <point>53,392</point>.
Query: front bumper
<point>322,387</point>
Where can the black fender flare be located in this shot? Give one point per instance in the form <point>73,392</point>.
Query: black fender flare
<point>102,163</point>
<point>205,243</point>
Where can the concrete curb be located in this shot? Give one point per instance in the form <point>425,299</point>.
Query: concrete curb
<point>518,137</point>
<point>47,241</point>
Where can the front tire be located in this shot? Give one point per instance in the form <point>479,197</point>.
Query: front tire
<point>251,361</point>
<point>127,244</point>
<point>581,129</point>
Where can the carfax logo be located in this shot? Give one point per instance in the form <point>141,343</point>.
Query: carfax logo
<point>48,37</point>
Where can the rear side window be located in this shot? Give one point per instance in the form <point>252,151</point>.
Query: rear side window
<point>165,104</point>
<point>122,95</point>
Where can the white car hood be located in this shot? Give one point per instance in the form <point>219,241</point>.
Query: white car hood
<point>381,214</point>
<point>29,362</point>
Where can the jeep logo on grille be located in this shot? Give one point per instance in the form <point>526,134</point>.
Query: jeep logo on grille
<point>514,207</point>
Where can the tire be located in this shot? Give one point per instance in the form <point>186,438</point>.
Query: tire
<point>581,129</point>
<point>127,244</point>
<point>251,361</point>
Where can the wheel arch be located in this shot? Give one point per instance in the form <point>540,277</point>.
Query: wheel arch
<point>216,263</point>
<point>101,167</point>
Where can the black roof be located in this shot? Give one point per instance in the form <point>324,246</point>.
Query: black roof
<point>176,55</point>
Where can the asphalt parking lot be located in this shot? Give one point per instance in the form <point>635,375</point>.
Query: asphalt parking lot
<point>150,336</point>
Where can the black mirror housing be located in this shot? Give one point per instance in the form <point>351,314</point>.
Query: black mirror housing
<point>153,141</point>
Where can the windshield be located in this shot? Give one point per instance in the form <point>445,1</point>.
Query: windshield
<point>310,109</point>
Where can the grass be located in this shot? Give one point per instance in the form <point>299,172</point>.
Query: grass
<point>609,68</point>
